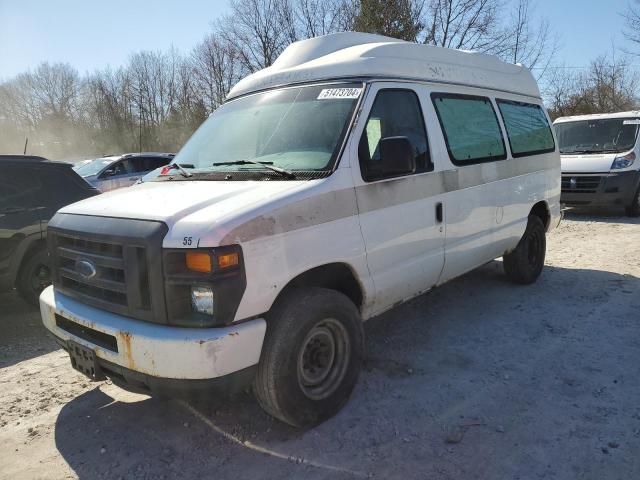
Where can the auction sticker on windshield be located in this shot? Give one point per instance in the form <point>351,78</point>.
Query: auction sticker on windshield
<point>333,93</point>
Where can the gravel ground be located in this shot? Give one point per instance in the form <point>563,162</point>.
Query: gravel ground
<point>477,379</point>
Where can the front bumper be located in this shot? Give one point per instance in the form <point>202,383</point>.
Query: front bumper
<point>599,189</point>
<point>148,352</point>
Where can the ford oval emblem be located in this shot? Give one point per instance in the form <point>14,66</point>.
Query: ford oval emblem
<point>85,269</point>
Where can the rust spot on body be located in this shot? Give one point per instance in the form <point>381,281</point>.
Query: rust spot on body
<point>127,353</point>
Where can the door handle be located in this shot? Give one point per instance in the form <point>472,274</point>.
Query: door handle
<point>439,212</point>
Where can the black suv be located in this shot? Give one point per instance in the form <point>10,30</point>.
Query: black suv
<point>32,189</point>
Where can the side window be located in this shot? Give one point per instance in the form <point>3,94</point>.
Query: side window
<point>120,167</point>
<point>527,128</point>
<point>19,189</point>
<point>158,162</point>
<point>470,127</point>
<point>395,113</point>
<point>140,164</point>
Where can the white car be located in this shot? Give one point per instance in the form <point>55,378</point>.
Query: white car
<point>600,165</point>
<point>354,174</point>
<point>117,171</point>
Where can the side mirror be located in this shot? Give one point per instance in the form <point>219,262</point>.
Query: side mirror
<point>397,156</point>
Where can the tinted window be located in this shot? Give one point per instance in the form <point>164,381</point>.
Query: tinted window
<point>395,113</point>
<point>470,127</point>
<point>19,189</point>
<point>527,128</point>
<point>153,163</point>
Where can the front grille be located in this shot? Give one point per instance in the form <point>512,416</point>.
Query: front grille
<point>108,284</point>
<point>580,184</point>
<point>113,264</point>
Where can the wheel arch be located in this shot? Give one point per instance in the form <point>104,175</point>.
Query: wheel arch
<point>338,276</point>
<point>542,211</point>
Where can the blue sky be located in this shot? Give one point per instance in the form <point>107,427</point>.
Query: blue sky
<point>91,34</point>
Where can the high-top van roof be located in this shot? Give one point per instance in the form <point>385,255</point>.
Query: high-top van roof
<point>599,116</point>
<point>363,55</point>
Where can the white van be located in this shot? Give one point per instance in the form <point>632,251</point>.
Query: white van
<point>354,174</point>
<point>599,166</point>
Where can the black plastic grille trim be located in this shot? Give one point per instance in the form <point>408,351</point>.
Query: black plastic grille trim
<point>101,339</point>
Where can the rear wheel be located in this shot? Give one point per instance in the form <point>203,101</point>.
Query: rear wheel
<point>311,357</point>
<point>633,210</point>
<point>524,264</point>
<point>34,275</point>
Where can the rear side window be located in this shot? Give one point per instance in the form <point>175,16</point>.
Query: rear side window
<point>19,189</point>
<point>395,113</point>
<point>528,131</point>
<point>470,127</point>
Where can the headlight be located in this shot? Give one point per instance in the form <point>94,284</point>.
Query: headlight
<point>203,286</point>
<point>202,300</point>
<point>623,162</point>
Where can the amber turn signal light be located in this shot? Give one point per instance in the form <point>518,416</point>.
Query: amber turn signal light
<point>199,262</point>
<point>228,260</point>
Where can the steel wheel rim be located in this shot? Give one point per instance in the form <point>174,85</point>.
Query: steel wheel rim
<point>323,359</point>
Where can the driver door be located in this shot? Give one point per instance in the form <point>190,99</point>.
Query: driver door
<point>401,216</point>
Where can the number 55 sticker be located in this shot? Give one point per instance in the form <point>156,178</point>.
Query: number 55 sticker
<point>187,241</point>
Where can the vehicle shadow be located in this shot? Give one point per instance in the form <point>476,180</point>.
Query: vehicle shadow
<point>473,354</point>
<point>22,335</point>
<point>602,215</point>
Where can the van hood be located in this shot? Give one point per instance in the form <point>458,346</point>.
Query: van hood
<point>171,202</point>
<point>588,163</point>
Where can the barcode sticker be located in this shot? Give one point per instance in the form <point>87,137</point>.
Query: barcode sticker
<point>334,93</point>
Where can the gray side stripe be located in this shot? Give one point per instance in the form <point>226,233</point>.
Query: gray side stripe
<point>379,195</point>
<point>332,206</point>
<point>315,210</point>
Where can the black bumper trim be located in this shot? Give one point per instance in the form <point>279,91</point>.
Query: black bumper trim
<point>138,382</point>
<point>614,189</point>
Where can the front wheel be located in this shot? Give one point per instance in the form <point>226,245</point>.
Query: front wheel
<point>524,264</point>
<point>34,276</point>
<point>311,357</point>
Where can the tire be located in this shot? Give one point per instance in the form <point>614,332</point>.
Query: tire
<point>311,356</point>
<point>34,275</point>
<point>633,210</point>
<point>524,264</point>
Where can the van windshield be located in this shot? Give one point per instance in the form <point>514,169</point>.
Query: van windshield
<point>597,136</point>
<point>293,129</point>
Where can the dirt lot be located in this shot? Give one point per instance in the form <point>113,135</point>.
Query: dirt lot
<point>477,379</point>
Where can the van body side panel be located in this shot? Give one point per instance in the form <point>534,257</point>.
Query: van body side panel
<point>404,241</point>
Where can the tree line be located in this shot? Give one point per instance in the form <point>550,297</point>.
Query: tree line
<point>158,98</point>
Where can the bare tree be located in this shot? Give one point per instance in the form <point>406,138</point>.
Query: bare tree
<point>531,44</point>
<point>259,29</point>
<point>217,67</point>
<point>608,85</point>
<point>465,24</point>
<point>631,17</point>
<point>322,17</point>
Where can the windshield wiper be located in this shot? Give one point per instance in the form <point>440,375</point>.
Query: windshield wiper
<point>269,165</point>
<point>179,167</point>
